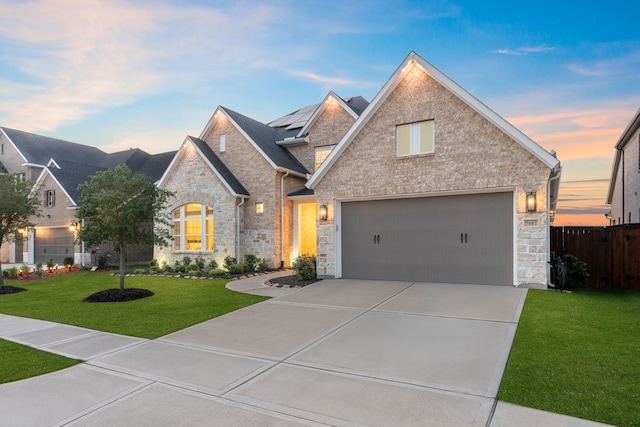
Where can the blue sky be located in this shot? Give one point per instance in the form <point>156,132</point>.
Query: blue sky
<point>120,74</point>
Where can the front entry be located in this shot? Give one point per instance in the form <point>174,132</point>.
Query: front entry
<point>304,229</point>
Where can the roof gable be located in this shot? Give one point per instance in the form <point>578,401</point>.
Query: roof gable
<point>632,127</point>
<point>413,60</point>
<point>263,138</point>
<point>320,109</point>
<point>229,180</point>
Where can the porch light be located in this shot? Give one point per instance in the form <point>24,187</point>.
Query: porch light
<point>323,212</point>
<point>531,202</point>
<point>73,226</point>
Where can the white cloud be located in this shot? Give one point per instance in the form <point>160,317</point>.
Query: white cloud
<point>520,51</point>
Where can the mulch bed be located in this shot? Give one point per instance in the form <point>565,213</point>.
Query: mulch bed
<point>5,290</point>
<point>119,295</point>
<point>290,281</point>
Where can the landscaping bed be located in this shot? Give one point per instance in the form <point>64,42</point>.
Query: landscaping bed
<point>290,281</point>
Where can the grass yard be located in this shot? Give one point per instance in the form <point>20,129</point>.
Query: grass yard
<point>578,354</point>
<point>177,303</point>
<point>20,362</point>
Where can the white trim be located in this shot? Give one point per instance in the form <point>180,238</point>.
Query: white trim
<point>54,164</point>
<point>41,179</point>
<point>321,108</point>
<point>622,141</point>
<point>410,61</point>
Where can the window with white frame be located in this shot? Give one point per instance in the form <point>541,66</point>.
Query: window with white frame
<point>414,138</point>
<point>260,207</point>
<point>49,198</point>
<point>193,228</point>
<point>322,153</point>
<point>223,143</point>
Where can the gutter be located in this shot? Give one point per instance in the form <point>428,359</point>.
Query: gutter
<point>293,140</point>
<point>555,177</point>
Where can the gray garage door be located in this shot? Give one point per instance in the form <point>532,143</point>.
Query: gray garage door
<point>53,243</point>
<point>449,239</point>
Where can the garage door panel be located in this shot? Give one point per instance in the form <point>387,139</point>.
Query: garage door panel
<point>53,243</point>
<point>457,239</point>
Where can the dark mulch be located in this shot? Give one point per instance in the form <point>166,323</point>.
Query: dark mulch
<point>291,281</point>
<point>5,290</point>
<point>119,295</point>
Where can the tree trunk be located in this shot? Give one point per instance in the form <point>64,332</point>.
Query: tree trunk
<point>1,276</point>
<point>122,267</point>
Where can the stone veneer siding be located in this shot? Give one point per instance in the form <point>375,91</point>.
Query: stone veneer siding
<point>193,181</point>
<point>471,154</point>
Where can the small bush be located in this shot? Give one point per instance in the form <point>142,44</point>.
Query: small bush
<point>250,262</point>
<point>229,261</point>
<point>261,265</point>
<point>139,271</point>
<point>153,263</point>
<point>192,269</point>
<point>213,264</point>
<point>200,262</point>
<point>153,269</point>
<point>186,261</point>
<point>50,264</point>
<point>5,274</point>
<point>576,271</point>
<point>179,268</point>
<point>217,272</point>
<point>12,272</point>
<point>305,267</point>
<point>102,262</point>
<point>39,268</point>
<point>24,270</point>
<point>236,268</point>
<point>166,267</point>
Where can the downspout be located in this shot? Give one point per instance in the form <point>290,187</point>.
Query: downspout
<point>238,229</point>
<point>282,218</point>
<point>622,217</point>
<point>554,178</point>
<point>82,244</point>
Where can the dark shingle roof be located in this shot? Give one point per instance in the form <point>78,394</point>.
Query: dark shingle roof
<point>38,149</point>
<point>303,192</point>
<point>265,137</point>
<point>139,161</point>
<point>357,103</point>
<point>71,175</point>
<point>224,172</point>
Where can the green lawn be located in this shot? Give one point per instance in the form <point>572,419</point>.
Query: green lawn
<point>177,303</point>
<point>19,362</point>
<point>578,354</point>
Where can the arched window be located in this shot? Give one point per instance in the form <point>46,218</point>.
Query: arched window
<point>193,228</point>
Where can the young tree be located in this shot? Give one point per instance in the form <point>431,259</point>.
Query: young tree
<point>17,204</point>
<point>123,209</point>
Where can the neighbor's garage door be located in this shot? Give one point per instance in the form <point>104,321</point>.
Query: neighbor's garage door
<point>450,239</point>
<point>53,243</point>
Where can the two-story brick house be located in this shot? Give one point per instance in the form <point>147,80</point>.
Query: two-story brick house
<point>57,167</point>
<point>426,183</point>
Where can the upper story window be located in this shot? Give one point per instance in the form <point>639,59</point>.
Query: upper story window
<point>414,138</point>
<point>193,228</point>
<point>259,207</point>
<point>49,198</point>
<point>322,153</point>
<point>223,143</point>
<point>2,148</point>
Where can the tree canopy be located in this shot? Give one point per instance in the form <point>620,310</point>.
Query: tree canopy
<point>123,209</point>
<point>18,203</point>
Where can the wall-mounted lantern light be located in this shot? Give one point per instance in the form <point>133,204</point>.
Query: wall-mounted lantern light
<point>73,226</point>
<point>531,202</point>
<point>324,212</point>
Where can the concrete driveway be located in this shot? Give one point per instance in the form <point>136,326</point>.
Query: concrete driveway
<point>338,352</point>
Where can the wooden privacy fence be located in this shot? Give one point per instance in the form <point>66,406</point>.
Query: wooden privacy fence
<point>612,253</point>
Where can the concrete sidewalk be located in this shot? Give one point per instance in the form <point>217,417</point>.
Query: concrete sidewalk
<point>338,352</point>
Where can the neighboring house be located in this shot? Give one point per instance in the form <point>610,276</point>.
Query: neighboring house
<point>625,177</point>
<point>426,183</point>
<point>57,167</point>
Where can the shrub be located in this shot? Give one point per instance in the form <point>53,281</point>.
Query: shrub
<point>192,269</point>
<point>50,264</point>
<point>261,265</point>
<point>5,273</point>
<point>153,269</point>
<point>179,268</point>
<point>200,262</point>
<point>12,272</point>
<point>217,272</point>
<point>153,263</point>
<point>68,262</point>
<point>250,262</point>
<point>139,271</point>
<point>186,261</point>
<point>166,268</point>
<point>236,268</point>
<point>39,268</point>
<point>24,270</point>
<point>305,267</point>
<point>576,271</point>
<point>102,261</point>
<point>229,261</point>
<point>213,264</point>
